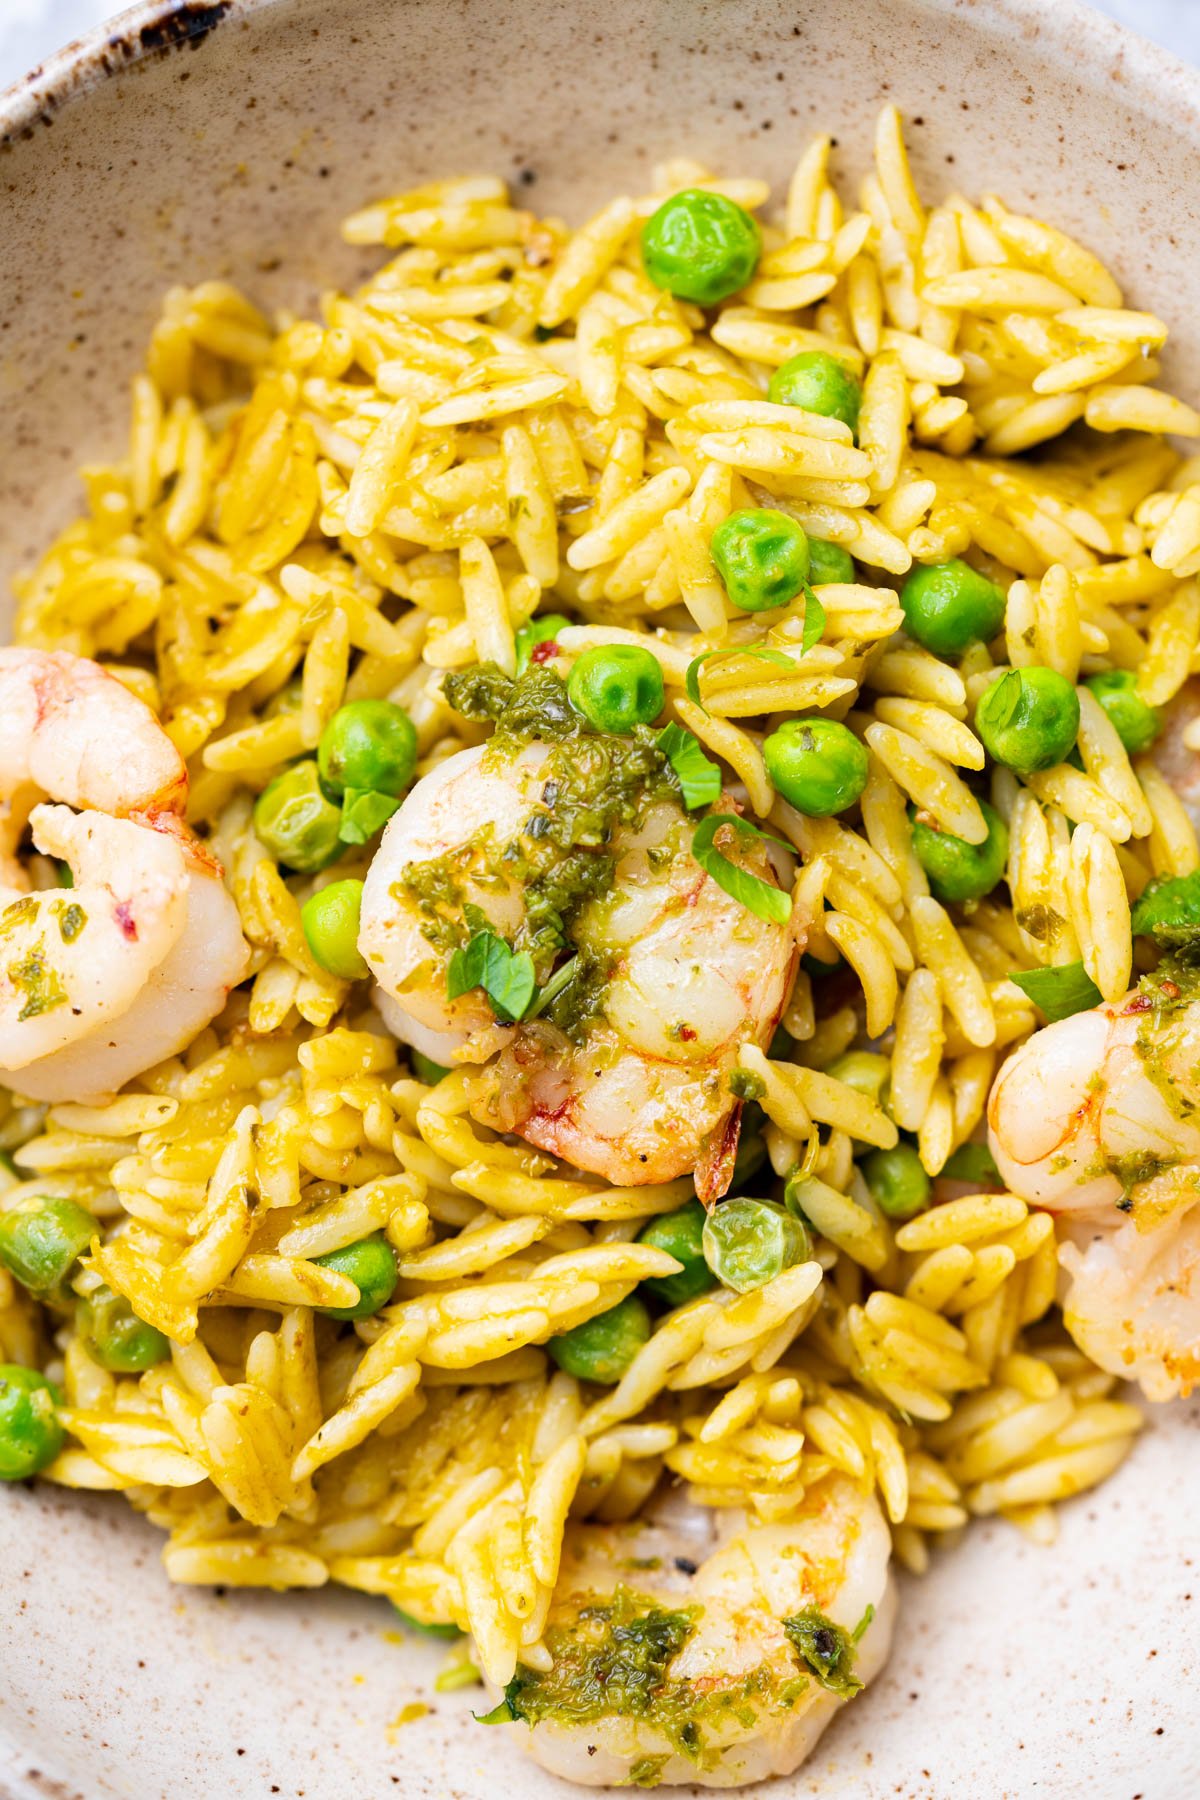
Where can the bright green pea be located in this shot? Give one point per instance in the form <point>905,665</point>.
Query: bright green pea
<point>1029,719</point>
<point>330,918</point>
<point>30,1433</point>
<point>949,605</point>
<point>617,686</point>
<point>818,383</point>
<point>761,556</point>
<point>426,1070</point>
<point>681,1235</point>
<point>818,765</point>
<point>700,246</point>
<point>898,1182</point>
<point>958,870</point>
<point>828,562</point>
<point>41,1240</point>
<point>748,1242</point>
<point>1135,723</point>
<point>865,1071</point>
<point>368,744</point>
<point>542,630</point>
<point>602,1348</point>
<point>115,1337</point>
<point>371,1266</point>
<point>438,1630</point>
<point>296,822</point>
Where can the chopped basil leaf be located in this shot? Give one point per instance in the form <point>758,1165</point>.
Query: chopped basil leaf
<point>364,812</point>
<point>501,1714</point>
<point>1058,992</point>
<point>814,621</point>
<point>691,679</point>
<point>560,979</point>
<point>507,978</point>
<point>757,896</point>
<point>699,778</point>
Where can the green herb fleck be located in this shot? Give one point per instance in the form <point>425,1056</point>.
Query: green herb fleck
<point>71,921</point>
<point>825,1649</point>
<point>40,984</point>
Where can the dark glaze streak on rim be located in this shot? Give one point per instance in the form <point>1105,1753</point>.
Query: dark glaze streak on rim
<point>153,29</point>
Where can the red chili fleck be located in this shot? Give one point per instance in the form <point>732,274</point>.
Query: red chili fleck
<point>546,651</point>
<point>1139,1004</point>
<point>126,920</point>
<point>686,1034</point>
<point>1171,990</point>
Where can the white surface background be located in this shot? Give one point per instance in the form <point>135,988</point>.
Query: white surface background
<point>31,29</point>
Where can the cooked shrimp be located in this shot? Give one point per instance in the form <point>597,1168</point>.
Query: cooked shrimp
<point>70,730</point>
<point>105,979</point>
<point>626,1075</point>
<point>694,1646</point>
<point>1095,1118</point>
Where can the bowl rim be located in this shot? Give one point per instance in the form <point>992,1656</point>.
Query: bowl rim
<point>1155,81</point>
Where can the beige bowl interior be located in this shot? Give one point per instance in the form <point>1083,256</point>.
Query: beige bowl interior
<point>228,140</point>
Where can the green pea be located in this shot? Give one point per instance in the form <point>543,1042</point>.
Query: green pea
<point>865,1071</point>
<point>115,1337</point>
<point>542,630</point>
<point>818,765</point>
<point>949,605</point>
<point>1029,719</point>
<point>368,744</point>
<point>330,918</point>
<point>700,246</point>
<point>898,1182</point>
<point>748,1242</point>
<point>435,1630</point>
<point>426,1070</point>
<point>617,686</point>
<point>602,1348</point>
<point>818,383</point>
<point>1136,723</point>
<point>296,822</point>
<point>828,563</point>
<point>681,1235</point>
<point>30,1433</point>
<point>761,556</point>
<point>371,1266</point>
<point>958,870</point>
<point>41,1240</point>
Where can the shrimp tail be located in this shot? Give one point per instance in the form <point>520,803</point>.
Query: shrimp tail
<point>714,1169</point>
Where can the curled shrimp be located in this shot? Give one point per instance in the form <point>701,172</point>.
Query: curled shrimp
<point>1095,1118</point>
<point>102,980</point>
<point>626,1075</point>
<point>695,1646</point>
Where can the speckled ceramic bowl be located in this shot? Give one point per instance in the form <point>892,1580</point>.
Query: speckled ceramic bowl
<point>229,139</point>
